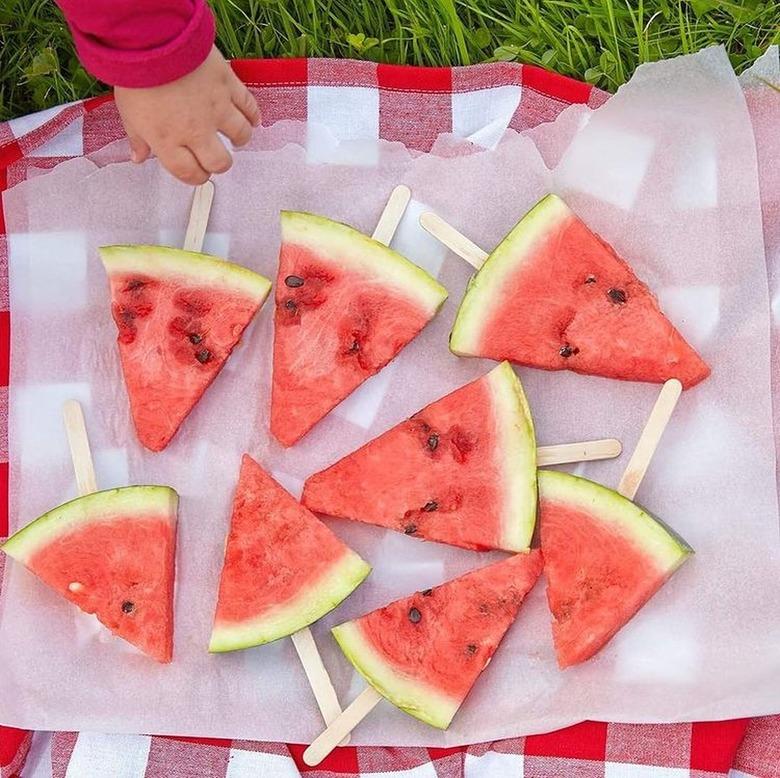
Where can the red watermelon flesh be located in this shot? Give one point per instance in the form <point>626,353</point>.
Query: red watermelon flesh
<point>111,553</point>
<point>283,568</point>
<point>424,652</point>
<point>553,295</point>
<point>460,471</point>
<point>604,559</point>
<point>345,306</point>
<point>179,315</point>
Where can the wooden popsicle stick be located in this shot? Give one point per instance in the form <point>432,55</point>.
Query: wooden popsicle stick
<point>319,680</point>
<point>199,217</point>
<point>656,423</point>
<point>586,451</point>
<point>455,241</point>
<point>649,439</point>
<point>353,714</point>
<point>392,213</point>
<point>76,430</point>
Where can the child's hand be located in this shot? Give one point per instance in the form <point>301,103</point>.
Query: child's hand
<point>179,121</point>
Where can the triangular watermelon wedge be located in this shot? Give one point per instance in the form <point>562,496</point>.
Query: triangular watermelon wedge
<point>283,568</point>
<point>113,554</point>
<point>460,471</point>
<point>179,315</point>
<point>424,652</point>
<point>345,306</point>
<point>604,558</point>
<point>553,295</point>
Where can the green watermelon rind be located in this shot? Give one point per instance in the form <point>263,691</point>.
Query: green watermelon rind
<point>195,267</point>
<point>517,457</point>
<point>121,504</point>
<point>321,597</point>
<point>362,253</point>
<point>419,700</point>
<point>485,287</point>
<point>657,541</point>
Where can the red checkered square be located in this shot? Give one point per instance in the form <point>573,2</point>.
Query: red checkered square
<point>414,122</point>
<point>759,751</point>
<point>582,741</point>
<point>342,72</point>
<point>714,744</point>
<point>176,759</point>
<point>665,745</point>
<point>555,767</point>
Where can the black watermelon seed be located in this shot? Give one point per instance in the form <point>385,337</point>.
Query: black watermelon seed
<point>431,506</point>
<point>410,529</point>
<point>617,296</point>
<point>135,283</point>
<point>427,592</point>
<point>566,351</point>
<point>203,356</point>
<point>484,609</point>
<point>127,607</point>
<point>127,315</point>
<point>291,305</point>
<point>590,279</point>
<point>293,281</point>
<point>195,338</point>
<point>471,648</point>
<point>414,615</point>
<point>433,441</point>
<point>355,347</point>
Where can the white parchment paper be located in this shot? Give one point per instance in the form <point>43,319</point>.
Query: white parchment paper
<point>666,171</point>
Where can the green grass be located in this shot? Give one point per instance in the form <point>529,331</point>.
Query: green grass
<point>601,41</point>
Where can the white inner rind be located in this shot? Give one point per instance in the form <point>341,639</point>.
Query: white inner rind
<point>516,457</point>
<point>123,504</point>
<point>415,697</point>
<point>357,252</point>
<point>607,506</point>
<point>192,266</point>
<point>307,606</point>
<point>487,288</point>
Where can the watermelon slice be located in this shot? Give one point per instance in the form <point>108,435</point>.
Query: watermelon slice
<point>424,652</point>
<point>554,295</point>
<point>179,315</point>
<point>604,559</point>
<point>283,568</point>
<point>460,471</point>
<point>345,306</point>
<point>113,554</point>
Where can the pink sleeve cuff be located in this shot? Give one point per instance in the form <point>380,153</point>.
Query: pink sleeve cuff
<point>147,67</point>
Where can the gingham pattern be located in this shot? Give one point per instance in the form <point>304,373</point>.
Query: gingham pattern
<point>411,105</point>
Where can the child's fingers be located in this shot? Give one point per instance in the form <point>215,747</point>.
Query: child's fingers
<point>236,127</point>
<point>243,100</point>
<point>182,163</point>
<point>212,155</point>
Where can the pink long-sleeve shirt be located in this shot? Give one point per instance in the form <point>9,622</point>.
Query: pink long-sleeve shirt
<point>140,43</point>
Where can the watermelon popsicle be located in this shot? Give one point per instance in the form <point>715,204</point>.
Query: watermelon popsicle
<point>555,296</point>
<point>346,305</point>
<point>353,639</point>
<point>111,553</point>
<point>464,472</point>
<point>179,314</point>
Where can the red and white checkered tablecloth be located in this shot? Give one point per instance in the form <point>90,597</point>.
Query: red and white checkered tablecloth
<point>411,105</point>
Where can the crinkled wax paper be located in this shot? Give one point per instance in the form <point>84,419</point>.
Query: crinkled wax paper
<point>666,171</point>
